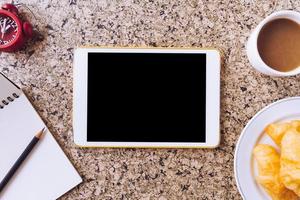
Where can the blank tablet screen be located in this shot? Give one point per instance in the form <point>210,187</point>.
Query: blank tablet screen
<point>146,97</point>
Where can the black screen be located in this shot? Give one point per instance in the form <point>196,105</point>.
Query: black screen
<point>146,97</point>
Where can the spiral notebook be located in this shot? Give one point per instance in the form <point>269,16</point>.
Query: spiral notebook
<point>47,173</point>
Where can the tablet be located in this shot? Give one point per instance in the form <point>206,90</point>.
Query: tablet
<point>146,97</point>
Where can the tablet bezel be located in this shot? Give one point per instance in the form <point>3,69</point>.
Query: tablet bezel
<point>80,74</point>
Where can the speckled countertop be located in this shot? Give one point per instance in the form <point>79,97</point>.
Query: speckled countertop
<point>44,70</point>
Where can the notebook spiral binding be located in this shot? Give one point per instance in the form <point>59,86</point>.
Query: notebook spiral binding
<point>9,99</point>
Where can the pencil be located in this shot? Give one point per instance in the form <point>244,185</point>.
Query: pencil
<point>20,160</point>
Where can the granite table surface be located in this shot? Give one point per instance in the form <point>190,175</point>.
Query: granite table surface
<point>44,70</point>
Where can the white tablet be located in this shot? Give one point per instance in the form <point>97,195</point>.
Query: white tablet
<point>146,97</point>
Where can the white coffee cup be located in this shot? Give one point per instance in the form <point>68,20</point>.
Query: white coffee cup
<point>252,49</point>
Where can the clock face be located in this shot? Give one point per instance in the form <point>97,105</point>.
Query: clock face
<point>8,30</point>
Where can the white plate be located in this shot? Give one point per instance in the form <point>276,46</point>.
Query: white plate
<point>244,165</point>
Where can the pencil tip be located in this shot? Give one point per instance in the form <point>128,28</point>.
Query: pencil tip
<point>40,134</point>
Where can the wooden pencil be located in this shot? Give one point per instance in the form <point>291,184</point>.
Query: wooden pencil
<point>21,159</point>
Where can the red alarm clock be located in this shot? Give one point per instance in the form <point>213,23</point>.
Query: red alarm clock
<point>13,31</point>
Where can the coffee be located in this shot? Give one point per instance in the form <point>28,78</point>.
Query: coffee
<point>279,44</point>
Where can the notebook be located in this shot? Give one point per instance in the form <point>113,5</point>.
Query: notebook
<point>47,173</point>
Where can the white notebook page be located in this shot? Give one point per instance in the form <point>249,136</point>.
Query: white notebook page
<point>47,173</point>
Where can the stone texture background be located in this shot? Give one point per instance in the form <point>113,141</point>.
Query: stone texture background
<point>44,70</point>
